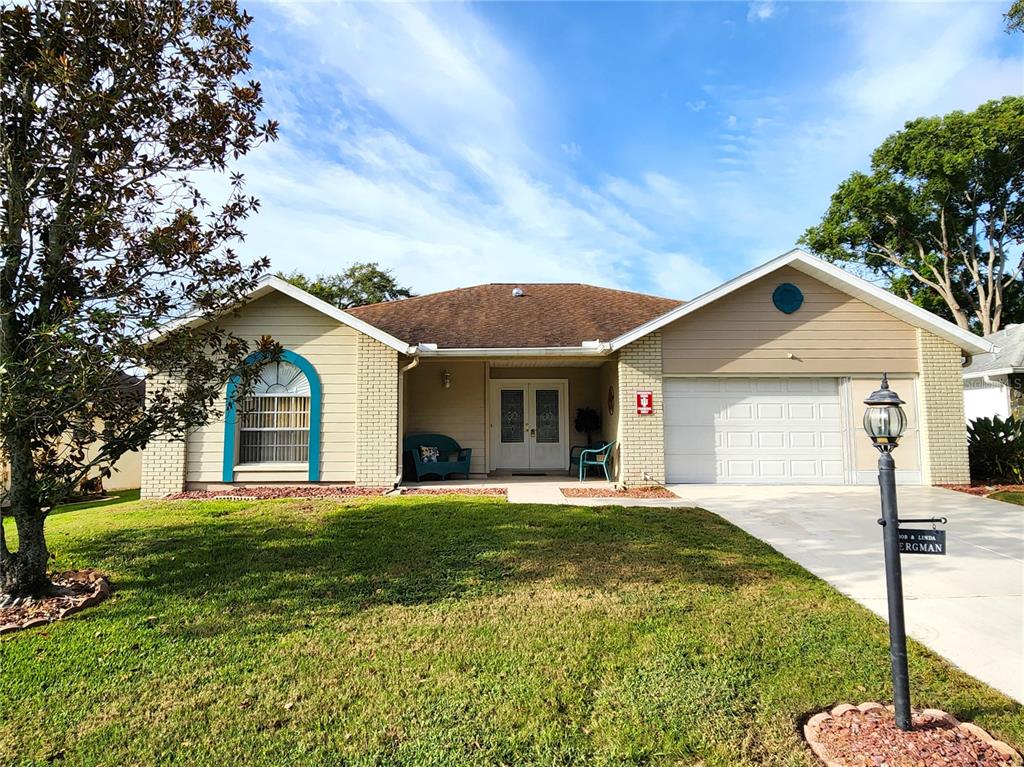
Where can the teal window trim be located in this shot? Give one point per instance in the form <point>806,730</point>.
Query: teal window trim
<point>231,414</point>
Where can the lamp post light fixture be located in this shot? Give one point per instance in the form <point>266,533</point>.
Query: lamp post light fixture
<point>884,422</point>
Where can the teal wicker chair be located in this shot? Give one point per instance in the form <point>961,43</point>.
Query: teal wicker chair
<point>446,447</point>
<point>601,455</point>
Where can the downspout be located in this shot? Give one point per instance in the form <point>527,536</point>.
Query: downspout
<point>401,415</point>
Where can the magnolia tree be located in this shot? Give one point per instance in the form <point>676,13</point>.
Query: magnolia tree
<point>109,112</point>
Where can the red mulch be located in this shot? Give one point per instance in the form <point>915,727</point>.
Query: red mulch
<point>73,591</point>
<point>856,738</point>
<point>494,491</point>
<point>652,491</point>
<point>271,493</point>
<point>981,489</point>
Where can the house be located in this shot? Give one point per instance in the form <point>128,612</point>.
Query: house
<point>760,380</point>
<point>126,472</point>
<point>994,382</point>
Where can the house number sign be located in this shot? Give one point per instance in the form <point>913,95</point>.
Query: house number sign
<point>644,402</point>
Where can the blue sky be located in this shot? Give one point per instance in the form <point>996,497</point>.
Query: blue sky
<point>656,147</point>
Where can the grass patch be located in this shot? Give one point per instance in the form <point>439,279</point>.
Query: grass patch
<point>1010,496</point>
<point>440,631</point>
<point>113,498</point>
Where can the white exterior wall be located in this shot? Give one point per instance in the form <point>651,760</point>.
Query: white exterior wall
<point>986,398</point>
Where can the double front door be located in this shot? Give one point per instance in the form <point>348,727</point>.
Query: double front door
<point>529,424</point>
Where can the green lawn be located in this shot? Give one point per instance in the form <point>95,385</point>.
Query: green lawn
<point>1009,496</point>
<point>434,631</point>
<point>112,498</point>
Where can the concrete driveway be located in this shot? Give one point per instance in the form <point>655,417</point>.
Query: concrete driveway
<point>967,606</point>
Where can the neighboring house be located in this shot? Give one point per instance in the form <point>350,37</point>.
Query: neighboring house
<point>126,472</point>
<point>994,382</point>
<point>760,380</point>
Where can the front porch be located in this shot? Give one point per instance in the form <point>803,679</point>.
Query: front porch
<point>548,490</point>
<point>516,415</point>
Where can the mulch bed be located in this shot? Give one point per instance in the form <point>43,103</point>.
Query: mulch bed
<point>867,736</point>
<point>272,493</point>
<point>74,591</point>
<point>652,491</point>
<point>341,491</point>
<point>984,490</point>
<point>493,491</point>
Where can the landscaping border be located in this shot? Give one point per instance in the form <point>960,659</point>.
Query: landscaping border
<point>812,729</point>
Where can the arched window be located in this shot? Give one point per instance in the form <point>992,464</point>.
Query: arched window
<point>279,421</point>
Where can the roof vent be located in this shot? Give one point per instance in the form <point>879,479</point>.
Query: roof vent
<point>517,293</point>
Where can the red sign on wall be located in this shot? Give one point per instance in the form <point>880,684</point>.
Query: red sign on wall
<point>644,402</point>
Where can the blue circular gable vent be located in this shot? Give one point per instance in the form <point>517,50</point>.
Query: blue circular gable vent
<point>787,298</point>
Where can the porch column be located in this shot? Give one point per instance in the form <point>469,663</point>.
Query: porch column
<point>642,437</point>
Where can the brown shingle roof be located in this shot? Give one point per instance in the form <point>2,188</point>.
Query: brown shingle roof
<point>489,316</point>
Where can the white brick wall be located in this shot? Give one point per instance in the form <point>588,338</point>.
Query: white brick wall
<point>376,414</point>
<point>642,437</point>
<point>943,435</point>
<point>163,460</point>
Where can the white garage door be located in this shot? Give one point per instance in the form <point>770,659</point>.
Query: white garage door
<point>781,430</point>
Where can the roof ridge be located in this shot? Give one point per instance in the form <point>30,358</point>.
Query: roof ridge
<point>516,284</point>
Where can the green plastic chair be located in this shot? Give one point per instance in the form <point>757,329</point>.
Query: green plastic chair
<point>597,456</point>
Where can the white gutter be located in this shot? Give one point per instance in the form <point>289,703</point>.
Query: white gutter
<point>401,414</point>
<point>987,373</point>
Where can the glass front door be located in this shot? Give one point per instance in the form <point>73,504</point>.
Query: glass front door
<point>528,431</point>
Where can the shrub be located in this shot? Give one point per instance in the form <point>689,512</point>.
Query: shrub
<point>996,449</point>
<point>587,422</point>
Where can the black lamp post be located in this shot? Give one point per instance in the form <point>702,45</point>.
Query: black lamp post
<point>884,421</point>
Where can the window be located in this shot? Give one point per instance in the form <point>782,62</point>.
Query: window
<point>273,424</point>
<point>279,421</point>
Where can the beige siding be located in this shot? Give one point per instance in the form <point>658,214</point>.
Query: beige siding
<point>831,333</point>
<point>908,454</point>
<point>127,472</point>
<point>331,349</point>
<point>458,411</point>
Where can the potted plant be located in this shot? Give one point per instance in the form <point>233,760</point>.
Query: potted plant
<point>587,422</point>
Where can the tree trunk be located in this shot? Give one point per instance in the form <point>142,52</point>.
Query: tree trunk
<point>23,572</point>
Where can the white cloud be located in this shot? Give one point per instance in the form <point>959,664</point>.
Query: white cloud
<point>409,138</point>
<point>762,10</point>
<point>905,60</point>
<point>696,106</point>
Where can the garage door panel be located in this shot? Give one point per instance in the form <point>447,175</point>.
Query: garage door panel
<point>753,430</point>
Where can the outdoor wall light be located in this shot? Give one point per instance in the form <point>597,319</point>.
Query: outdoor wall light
<point>446,379</point>
<point>884,419</point>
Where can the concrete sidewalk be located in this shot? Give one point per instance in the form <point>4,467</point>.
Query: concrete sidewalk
<point>968,605</point>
